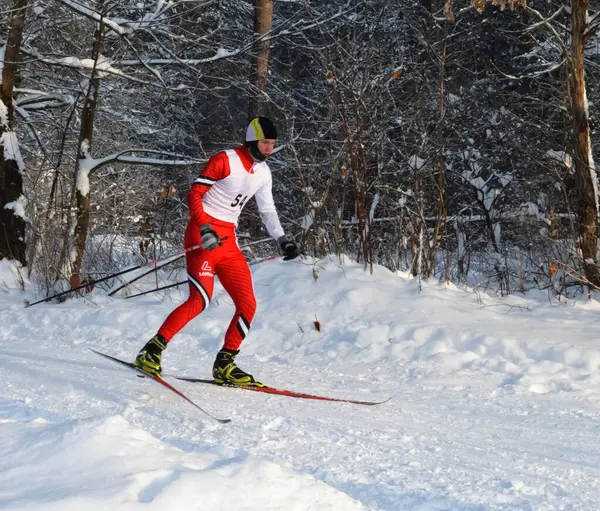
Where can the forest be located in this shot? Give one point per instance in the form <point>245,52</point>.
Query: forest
<point>454,139</point>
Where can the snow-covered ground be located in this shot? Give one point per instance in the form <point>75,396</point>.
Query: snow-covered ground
<point>495,402</point>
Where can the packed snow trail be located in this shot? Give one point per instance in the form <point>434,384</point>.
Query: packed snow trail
<point>495,401</point>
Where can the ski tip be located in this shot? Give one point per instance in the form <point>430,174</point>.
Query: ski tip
<point>382,402</point>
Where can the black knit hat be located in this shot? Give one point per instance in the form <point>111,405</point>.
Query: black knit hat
<point>259,129</point>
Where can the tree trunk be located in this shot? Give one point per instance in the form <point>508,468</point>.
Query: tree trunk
<point>12,224</point>
<point>585,173</point>
<point>263,21</point>
<point>82,189</point>
<point>441,224</point>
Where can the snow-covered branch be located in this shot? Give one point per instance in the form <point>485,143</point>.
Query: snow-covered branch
<point>87,164</point>
<point>527,210</point>
<point>220,54</point>
<point>593,25</point>
<point>103,68</point>
<point>38,100</point>
<point>546,23</point>
<point>276,33</point>
<point>93,15</point>
<point>546,70</point>
<point>130,156</point>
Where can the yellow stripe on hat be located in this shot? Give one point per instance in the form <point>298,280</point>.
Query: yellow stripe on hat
<point>258,131</point>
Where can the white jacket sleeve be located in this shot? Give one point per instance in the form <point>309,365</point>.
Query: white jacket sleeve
<point>266,208</point>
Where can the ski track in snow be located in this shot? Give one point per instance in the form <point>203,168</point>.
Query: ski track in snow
<point>495,401</point>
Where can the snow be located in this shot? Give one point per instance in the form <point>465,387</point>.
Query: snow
<point>561,157</point>
<point>85,165</point>
<point>374,204</point>
<point>416,162</point>
<point>307,221</point>
<point>8,140</point>
<point>494,400</point>
<point>124,467</point>
<point>18,207</point>
<point>3,113</point>
<point>453,98</point>
<point>223,53</point>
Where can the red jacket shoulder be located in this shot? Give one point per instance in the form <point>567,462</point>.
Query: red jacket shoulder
<point>217,167</point>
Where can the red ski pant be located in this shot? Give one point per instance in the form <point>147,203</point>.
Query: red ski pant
<point>226,262</point>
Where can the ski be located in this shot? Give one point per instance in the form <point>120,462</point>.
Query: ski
<point>158,379</point>
<point>281,392</point>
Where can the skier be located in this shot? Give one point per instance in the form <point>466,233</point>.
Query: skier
<point>215,202</point>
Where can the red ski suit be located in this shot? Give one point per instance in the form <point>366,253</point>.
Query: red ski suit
<point>217,197</point>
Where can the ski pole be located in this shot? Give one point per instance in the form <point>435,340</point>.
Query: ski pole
<point>157,289</point>
<point>168,286</point>
<point>123,272</point>
<point>116,290</point>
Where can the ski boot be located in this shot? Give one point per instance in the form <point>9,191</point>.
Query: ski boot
<point>225,372</point>
<point>150,355</point>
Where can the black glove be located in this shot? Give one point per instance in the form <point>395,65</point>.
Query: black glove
<point>288,247</point>
<point>210,239</point>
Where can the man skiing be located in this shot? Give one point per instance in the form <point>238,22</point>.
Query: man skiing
<point>215,202</point>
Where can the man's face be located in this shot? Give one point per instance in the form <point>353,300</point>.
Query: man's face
<point>266,146</point>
